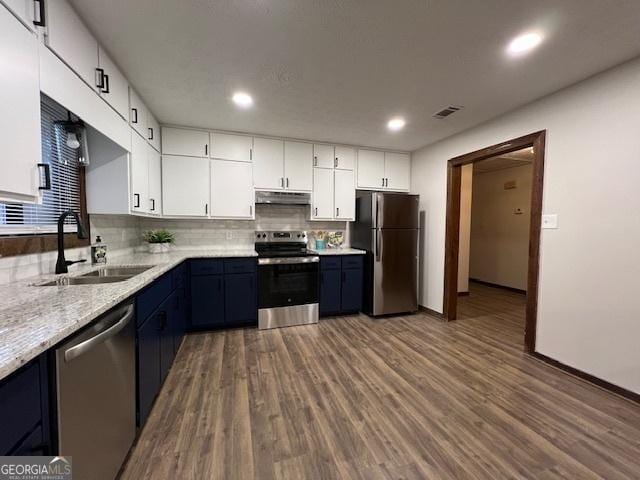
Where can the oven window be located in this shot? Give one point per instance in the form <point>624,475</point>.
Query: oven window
<point>282,285</point>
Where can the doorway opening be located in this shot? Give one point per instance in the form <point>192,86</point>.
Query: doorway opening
<point>532,148</point>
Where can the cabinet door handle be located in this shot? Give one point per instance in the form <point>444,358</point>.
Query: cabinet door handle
<point>287,182</point>
<point>206,150</point>
<point>386,182</point>
<point>41,14</point>
<point>250,210</point>
<point>100,78</point>
<point>315,160</point>
<point>150,133</point>
<point>335,163</point>
<point>251,154</point>
<point>106,84</point>
<point>135,115</point>
<point>383,181</point>
<point>136,196</point>
<point>282,182</point>
<point>153,205</point>
<point>47,176</point>
<point>316,211</point>
<point>206,209</point>
<point>337,211</point>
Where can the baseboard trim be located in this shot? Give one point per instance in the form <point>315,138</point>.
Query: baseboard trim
<point>495,285</point>
<point>598,382</point>
<point>433,313</point>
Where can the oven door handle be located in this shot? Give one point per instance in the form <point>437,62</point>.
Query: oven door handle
<point>287,260</point>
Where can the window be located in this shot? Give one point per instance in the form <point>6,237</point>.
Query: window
<point>66,182</point>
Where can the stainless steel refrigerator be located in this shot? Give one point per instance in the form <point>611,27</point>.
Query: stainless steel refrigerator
<point>387,227</point>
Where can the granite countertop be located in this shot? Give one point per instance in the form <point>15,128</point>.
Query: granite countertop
<point>34,319</point>
<point>338,251</point>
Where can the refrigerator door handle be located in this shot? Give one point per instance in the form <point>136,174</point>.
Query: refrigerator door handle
<point>378,240</point>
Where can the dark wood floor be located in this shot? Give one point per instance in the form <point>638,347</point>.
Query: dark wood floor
<point>404,397</point>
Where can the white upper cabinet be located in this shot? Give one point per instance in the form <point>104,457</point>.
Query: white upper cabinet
<point>345,195</point>
<point>323,156</point>
<point>371,169</point>
<point>112,85</point>
<point>139,175</point>
<point>232,189</point>
<point>137,113</point>
<point>345,158</point>
<point>268,164</point>
<point>397,171</point>
<point>179,141</point>
<point>25,11</point>
<point>155,180</point>
<point>72,41</point>
<point>20,119</point>
<point>153,131</point>
<point>225,146</point>
<point>298,166</point>
<point>185,186</point>
<point>322,197</point>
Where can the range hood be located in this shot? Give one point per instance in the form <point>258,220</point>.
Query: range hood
<point>283,198</point>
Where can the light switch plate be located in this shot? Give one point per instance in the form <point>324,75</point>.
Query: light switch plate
<point>550,221</point>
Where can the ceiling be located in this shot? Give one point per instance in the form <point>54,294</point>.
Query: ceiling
<point>337,70</point>
<point>502,162</point>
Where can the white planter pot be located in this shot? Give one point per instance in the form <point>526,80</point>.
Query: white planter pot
<point>159,247</point>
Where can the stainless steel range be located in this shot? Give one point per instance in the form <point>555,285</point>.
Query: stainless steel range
<point>288,280</point>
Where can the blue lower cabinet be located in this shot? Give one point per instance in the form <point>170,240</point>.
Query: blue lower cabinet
<point>24,410</point>
<point>149,378</point>
<point>351,290</point>
<point>241,299</point>
<point>167,324</point>
<point>207,301</point>
<point>181,312</point>
<point>341,279</point>
<point>330,292</point>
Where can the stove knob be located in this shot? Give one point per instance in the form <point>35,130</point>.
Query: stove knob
<point>264,235</point>
<point>298,235</point>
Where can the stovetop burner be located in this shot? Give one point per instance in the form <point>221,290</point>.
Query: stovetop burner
<point>281,244</point>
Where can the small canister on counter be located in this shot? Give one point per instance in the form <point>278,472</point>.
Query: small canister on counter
<point>98,252</point>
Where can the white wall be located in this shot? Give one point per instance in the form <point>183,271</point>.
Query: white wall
<point>499,235</point>
<point>588,304</point>
<point>464,245</point>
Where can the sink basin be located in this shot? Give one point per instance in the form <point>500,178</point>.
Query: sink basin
<point>84,281</point>
<point>102,275</point>
<point>117,271</point>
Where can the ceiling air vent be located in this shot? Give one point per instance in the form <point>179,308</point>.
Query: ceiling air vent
<point>445,112</point>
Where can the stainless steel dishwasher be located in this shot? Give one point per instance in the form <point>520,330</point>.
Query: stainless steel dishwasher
<point>95,373</point>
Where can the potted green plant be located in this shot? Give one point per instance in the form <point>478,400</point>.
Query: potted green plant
<point>158,240</point>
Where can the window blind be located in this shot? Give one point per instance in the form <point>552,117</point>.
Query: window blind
<point>27,219</point>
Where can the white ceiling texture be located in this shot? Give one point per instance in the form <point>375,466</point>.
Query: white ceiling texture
<point>337,70</point>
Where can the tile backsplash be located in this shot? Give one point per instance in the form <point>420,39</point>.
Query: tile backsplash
<point>123,234</point>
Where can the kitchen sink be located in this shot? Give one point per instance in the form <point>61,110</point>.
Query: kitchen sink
<point>102,275</point>
<point>117,271</point>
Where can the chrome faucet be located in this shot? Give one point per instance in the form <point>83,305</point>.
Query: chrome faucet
<point>62,263</point>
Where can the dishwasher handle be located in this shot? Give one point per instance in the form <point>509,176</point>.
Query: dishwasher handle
<point>88,344</point>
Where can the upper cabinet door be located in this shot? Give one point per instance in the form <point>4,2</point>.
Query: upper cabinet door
<point>371,169</point>
<point>24,9</point>
<point>231,147</point>
<point>20,120</point>
<point>397,171</point>
<point>322,204</point>
<point>72,41</point>
<point>185,186</point>
<point>232,189</point>
<point>298,166</point>
<point>345,158</point>
<point>139,161</point>
<point>345,195</point>
<point>137,113</point>
<point>323,156</point>
<point>178,141</point>
<point>153,131</point>
<point>268,164</point>
<point>155,180</point>
<point>115,88</point>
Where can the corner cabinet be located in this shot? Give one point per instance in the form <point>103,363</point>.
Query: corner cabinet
<point>384,171</point>
<point>20,133</point>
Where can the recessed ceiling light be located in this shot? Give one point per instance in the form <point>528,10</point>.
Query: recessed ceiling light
<point>396,124</point>
<point>242,99</point>
<point>524,43</point>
